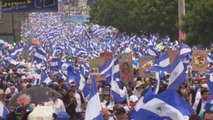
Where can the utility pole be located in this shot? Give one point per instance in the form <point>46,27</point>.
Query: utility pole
<point>181,13</point>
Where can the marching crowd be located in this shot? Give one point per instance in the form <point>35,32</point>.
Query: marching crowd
<point>58,58</point>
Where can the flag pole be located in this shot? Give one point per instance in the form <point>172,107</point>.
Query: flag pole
<point>181,13</point>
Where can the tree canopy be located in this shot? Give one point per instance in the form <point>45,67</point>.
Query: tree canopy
<point>157,16</point>
<point>138,16</point>
<point>198,22</point>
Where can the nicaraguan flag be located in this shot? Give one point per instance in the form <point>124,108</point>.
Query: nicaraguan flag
<point>16,52</point>
<point>163,106</point>
<point>185,49</point>
<point>152,51</point>
<point>44,78</point>
<point>210,58</point>
<point>210,84</point>
<point>1,42</point>
<point>106,69</point>
<point>178,74</point>
<point>93,110</point>
<point>3,111</point>
<point>209,104</point>
<point>39,55</point>
<point>118,92</point>
<point>162,64</point>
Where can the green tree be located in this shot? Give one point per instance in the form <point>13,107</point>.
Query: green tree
<point>198,22</point>
<point>138,16</point>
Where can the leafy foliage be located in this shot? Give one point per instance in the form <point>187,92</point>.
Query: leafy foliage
<point>138,16</point>
<point>198,22</point>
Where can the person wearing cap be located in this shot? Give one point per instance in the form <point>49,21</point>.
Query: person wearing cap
<point>133,100</point>
<point>138,88</point>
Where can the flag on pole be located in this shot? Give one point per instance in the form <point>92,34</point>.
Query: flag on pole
<point>3,111</point>
<point>178,74</point>
<point>93,110</point>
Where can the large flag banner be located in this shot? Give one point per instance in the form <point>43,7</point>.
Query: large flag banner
<point>145,63</point>
<point>172,55</point>
<point>199,60</point>
<point>30,5</point>
<point>126,71</point>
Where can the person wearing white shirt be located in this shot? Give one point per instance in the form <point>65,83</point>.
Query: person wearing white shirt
<point>57,104</point>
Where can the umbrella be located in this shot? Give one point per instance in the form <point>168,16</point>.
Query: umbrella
<point>37,94</point>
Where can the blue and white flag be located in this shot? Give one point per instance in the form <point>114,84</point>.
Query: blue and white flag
<point>40,55</point>
<point>185,49</point>
<point>3,111</point>
<point>93,110</point>
<point>163,106</point>
<point>178,74</point>
<point>209,104</point>
<point>162,64</point>
<point>16,52</point>
<point>106,69</point>
<point>119,93</point>
<point>2,43</point>
<point>210,84</point>
<point>81,83</point>
<point>152,51</point>
<point>45,78</point>
<point>85,69</point>
<point>210,58</point>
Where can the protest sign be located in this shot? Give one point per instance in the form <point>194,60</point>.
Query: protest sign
<point>199,60</point>
<point>126,71</point>
<point>145,63</point>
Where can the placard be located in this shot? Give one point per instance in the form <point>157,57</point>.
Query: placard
<point>145,63</point>
<point>126,71</point>
<point>199,60</point>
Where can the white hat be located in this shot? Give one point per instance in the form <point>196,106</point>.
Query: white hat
<point>133,98</point>
<point>204,85</point>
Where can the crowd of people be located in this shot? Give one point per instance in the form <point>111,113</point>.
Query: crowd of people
<point>56,54</point>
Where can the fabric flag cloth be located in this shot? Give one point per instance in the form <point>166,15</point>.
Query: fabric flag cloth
<point>178,74</point>
<point>2,43</point>
<point>44,78</point>
<point>81,83</point>
<point>152,51</point>
<point>93,110</point>
<point>119,94</point>
<point>162,64</point>
<point>106,69</point>
<point>185,49</point>
<point>210,84</point>
<point>209,104</point>
<point>3,111</point>
<point>163,106</point>
<point>40,55</point>
<point>210,58</point>
<point>16,52</point>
